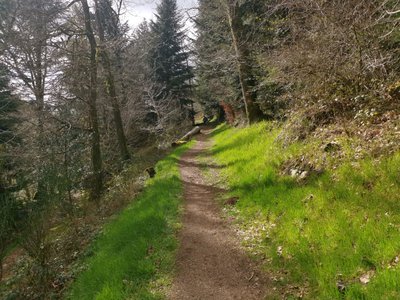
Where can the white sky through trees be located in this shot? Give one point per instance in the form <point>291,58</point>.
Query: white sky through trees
<point>138,10</point>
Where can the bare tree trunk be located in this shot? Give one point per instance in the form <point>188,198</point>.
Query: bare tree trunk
<point>97,163</point>
<point>1,268</point>
<point>111,91</point>
<point>253,111</point>
<point>121,74</point>
<point>38,83</point>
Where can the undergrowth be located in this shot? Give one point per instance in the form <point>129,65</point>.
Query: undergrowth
<point>334,236</point>
<point>134,256</point>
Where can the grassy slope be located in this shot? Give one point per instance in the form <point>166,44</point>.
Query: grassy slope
<point>134,256</point>
<point>335,228</point>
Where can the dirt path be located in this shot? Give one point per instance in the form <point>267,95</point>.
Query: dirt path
<point>210,262</point>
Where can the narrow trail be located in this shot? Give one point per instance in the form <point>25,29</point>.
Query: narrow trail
<point>210,262</point>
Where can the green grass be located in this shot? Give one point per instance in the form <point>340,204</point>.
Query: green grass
<point>133,258</point>
<point>336,227</point>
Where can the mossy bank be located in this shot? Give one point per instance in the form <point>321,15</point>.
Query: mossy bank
<point>332,235</point>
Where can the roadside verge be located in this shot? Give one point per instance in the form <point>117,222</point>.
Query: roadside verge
<point>133,258</point>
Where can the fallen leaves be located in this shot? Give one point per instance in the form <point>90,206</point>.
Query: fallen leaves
<point>254,234</point>
<point>231,201</point>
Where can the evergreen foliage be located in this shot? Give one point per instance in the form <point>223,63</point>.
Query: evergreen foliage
<point>8,105</point>
<point>215,69</point>
<point>169,58</point>
<point>109,19</point>
<point>8,206</point>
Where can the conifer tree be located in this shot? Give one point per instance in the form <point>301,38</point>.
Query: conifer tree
<point>8,105</point>
<point>169,59</point>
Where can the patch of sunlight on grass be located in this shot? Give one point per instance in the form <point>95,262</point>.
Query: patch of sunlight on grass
<point>336,227</point>
<point>133,258</point>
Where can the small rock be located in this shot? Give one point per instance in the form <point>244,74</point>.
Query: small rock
<point>394,262</point>
<point>294,172</point>
<point>364,279</point>
<point>303,175</point>
<point>309,198</point>
<point>279,251</point>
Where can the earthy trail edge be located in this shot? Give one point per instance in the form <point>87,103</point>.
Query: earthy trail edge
<point>210,262</point>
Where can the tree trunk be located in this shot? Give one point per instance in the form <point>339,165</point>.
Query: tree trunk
<point>191,134</point>
<point>97,163</point>
<point>39,79</point>
<point>253,111</point>
<point>1,270</point>
<point>192,114</point>
<point>41,185</point>
<point>121,74</point>
<point>111,91</point>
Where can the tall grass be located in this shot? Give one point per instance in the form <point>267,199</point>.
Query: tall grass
<point>332,230</point>
<point>134,256</point>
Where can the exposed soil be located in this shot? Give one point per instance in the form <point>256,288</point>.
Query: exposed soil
<point>9,262</point>
<point>210,263</point>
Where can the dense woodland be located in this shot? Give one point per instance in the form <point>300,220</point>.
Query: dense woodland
<point>87,102</point>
